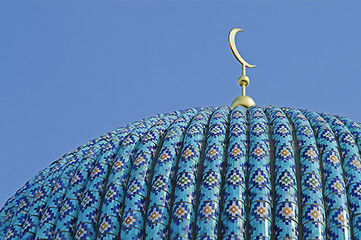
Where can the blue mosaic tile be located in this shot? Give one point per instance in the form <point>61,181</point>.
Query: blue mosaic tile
<point>260,228</point>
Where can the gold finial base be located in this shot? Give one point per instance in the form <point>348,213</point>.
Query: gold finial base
<point>243,100</point>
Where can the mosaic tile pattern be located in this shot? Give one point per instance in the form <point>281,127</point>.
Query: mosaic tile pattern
<point>313,209</point>
<point>260,176</point>
<point>261,173</point>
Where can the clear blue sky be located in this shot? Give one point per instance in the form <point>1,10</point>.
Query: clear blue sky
<point>71,71</point>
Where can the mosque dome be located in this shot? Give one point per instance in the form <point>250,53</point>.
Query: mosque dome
<point>245,172</point>
<point>256,173</point>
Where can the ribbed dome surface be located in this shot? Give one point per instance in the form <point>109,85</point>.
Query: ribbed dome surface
<point>264,173</point>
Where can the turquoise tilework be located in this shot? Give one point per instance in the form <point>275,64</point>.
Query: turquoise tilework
<point>286,204</point>
<point>335,198</point>
<point>313,214</point>
<point>261,173</point>
<point>184,200</point>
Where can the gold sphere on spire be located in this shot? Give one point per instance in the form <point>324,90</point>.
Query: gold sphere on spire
<point>243,80</point>
<point>243,100</point>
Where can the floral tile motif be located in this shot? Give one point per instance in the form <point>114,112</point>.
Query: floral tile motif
<point>236,151</point>
<point>259,177</point>
<point>211,180</point>
<point>235,177</point>
<point>109,224</point>
<point>158,214</point>
<point>313,213</point>
<point>183,210</point>
<point>237,130</point>
<point>261,209</point>
<point>234,208</point>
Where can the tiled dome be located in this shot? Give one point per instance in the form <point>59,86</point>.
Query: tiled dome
<point>261,173</point>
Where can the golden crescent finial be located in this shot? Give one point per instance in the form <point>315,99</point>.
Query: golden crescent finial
<point>232,44</point>
<point>243,80</point>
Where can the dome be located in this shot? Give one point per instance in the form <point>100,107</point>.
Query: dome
<point>256,173</point>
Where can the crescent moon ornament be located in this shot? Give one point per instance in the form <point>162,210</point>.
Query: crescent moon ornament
<point>232,44</point>
<point>243,80</point>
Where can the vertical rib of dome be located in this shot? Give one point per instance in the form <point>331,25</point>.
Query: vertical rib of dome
<point>351,169</point>
<point>313,212</point>
<point>354,166</point>
<point>233,215</point>
<point>259,182</point>
<point>158,213</point>
<point>211,178</point>
<point>182,216</point>
<point>134,205</point>
<point>91,196</point>
<point>113,197</point>
<point>337,214</point>
<point>286,205</point>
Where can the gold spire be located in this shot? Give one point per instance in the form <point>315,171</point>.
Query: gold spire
<point>243,80</point>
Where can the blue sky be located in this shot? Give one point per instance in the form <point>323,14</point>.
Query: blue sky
<point>71,71</point>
